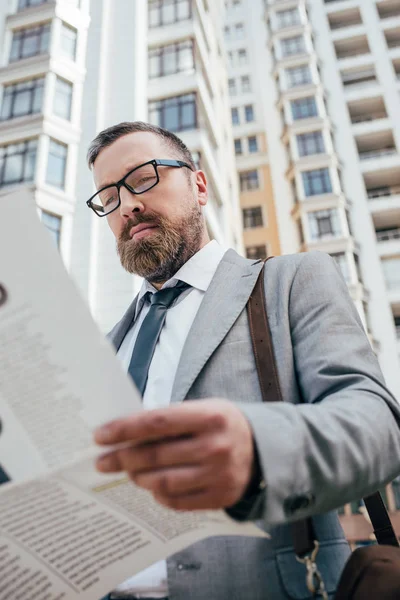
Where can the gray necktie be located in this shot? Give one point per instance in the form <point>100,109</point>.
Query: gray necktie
<point>150,332</point>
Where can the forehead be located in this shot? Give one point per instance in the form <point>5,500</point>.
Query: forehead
<point>133,149</point>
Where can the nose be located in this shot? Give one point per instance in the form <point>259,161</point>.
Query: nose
<point>130,203</point>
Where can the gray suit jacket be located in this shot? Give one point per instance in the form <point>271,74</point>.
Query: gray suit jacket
<point>335,438</point>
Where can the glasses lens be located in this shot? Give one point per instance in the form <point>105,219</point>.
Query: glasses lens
<point>105,201</point>
<point>142,179</point>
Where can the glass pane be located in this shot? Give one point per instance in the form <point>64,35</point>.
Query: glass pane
<point>106,200</point>
<point>183,9</point>
<point>22,104</point>
<point>13,169</point>
<point>30,44</point>
<point>56,164</point>
<point>38,97</point>
<point>169,61</point>
<point>142,179</point>
<point>6,106</point>
<point>188,115</point>
<point>154,66</point>
<point>167,13</point>
<point>186,59</point>
<point>15,47</point>
<point>63,99</point>
<point>45,39</point>
<point>68,41</point>
<point>171,118</point>
<point>30,164</point>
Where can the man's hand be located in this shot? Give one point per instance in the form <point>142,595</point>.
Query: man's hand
<point>197,455</point>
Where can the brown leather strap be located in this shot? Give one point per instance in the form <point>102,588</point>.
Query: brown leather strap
<point>303,531</point>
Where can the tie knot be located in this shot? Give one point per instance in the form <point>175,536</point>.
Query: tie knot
<point>166,296</point>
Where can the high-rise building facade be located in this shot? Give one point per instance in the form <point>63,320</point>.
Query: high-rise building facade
<point>61,82</point>
<point>42,69</point>
<point>332,118</point>
<point>245,37</point>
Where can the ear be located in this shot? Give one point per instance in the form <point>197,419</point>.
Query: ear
<point>201,185</point>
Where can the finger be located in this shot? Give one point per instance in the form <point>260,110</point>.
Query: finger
<point>184,480</point>
<point>173,421</point>
<point>154,456</point>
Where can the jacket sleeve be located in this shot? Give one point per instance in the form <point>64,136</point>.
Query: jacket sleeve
<point>343,441</point>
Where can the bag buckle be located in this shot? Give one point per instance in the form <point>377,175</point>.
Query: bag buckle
<point>314,581</point>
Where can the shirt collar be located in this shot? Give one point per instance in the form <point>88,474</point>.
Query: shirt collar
<point>198,272</point>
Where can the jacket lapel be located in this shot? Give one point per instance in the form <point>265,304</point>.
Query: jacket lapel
<point>222,304</point>
<point>119,330</point>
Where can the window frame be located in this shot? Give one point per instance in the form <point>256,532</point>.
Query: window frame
<point>30,148</point>
<point>157,6</point>
<point>252,217</point>
<point>21,34</point>
<point>37,84</point>
<point>174,49</point>
<point>160,107</point>
<point>308,181</point>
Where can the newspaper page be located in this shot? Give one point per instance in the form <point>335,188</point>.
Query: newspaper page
<point>67,531</point>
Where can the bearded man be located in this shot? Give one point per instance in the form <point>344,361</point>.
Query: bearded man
<point>210,442</point>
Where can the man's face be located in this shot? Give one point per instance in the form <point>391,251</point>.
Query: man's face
<point>172,209</point>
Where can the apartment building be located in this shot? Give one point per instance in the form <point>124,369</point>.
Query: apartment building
<point>62,81</point>
<point>42,56</point>
<point>334,113</point>
<point>245,37</point>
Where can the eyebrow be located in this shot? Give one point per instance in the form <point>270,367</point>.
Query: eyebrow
<point>103,185</point>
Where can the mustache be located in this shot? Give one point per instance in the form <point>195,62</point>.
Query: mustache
<point>140,218</point>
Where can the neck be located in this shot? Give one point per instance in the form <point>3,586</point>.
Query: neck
<point>205,240</point>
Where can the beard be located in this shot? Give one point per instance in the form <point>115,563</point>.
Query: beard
<point>158,257</point>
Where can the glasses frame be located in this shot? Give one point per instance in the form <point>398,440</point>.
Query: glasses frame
<point>156,162</point>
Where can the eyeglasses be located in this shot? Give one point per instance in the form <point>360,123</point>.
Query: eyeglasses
<point>141,179</point>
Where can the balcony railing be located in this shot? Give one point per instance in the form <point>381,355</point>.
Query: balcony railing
<point>377,153</point>
<point>369,117</point>
<point>393,43</point>
<point>388,235</point>
<point>356,83</point>
<point>383,192</point>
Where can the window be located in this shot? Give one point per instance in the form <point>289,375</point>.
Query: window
<point>298,75</point>
<point>68,41</point>
<point>30,41</point>
<point>227,32</point>
<point>27,3</point>
<point>310,143</point>
<point>232,87</point>
<point>63,98</point>
<point>249,113</point>
<point>165,12</point>
<point>257,252</point>
<point>235,116</point>
<point>287,18</point>
<point>238,146</point>
<point>324,223</point>
<point>53,224</point>
<point>56,164</point>
<point>242,56</point>
<point>391,272</point>
<point>252,217</point>
<point>252,143</point>
<point>316,182</point>
<point>239,31</point>
<point>17,162</point>
<point>23,98</point>
<point>245,82</point>
<point>304,108</point>
<point>249,181</point>
<point>343,263</point>
<point>173,58</point>
<point>177,113</point>
<point>292,45</point>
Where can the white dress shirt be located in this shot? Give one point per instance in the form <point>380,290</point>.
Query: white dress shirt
<point>198,273</point>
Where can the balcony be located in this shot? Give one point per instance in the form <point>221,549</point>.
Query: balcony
<point>344,18</point>
<point>351,47</point>
<point>388,235</point>
<point>357,79</point>
<point>392,37</point>
<point>376,145</point>
<point>366,110</point>
<point>383,192</point>
<point>388,9</point>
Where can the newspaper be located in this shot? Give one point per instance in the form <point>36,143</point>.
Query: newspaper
<point>67,531</point>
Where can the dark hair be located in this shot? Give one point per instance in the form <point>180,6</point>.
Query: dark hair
<point>111,134</point>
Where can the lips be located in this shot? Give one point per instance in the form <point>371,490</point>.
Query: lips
<point>141,230</point>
